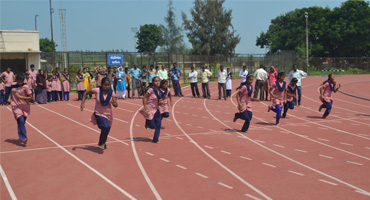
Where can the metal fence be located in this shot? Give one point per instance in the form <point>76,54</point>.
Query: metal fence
<point>74,61</point>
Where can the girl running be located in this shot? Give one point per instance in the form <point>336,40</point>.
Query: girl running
<point>66,86</point>
<point>80,85</point>
<point>244,97</point>
<point>290,102</point>
<point>102,116</point>
<point>150,111</point>
<point>18,99</point>
<point>166,94</point>
<point>121,83</point>
<point>326,90</point>
<point>278,96</point>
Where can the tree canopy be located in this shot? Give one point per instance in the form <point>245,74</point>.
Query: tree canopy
<point>210,30</point>
<point>45,45</point>
<point>149,38</point>
<point>339,32</point>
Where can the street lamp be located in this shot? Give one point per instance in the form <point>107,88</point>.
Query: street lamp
<point>36,22</point>
<point>306,15</point>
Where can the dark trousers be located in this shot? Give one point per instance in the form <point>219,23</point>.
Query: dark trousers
<point>136,85</point>
<point>277,110</point>
<point>155,124</point>
<point>128,91</point>
<point>7,93</point>
<point>176,87</point>
<point>22,133</point>
<point>80,95</point>
<point>259,86</point>
<point>2,97</point>
<point>247,116</point>
<point>194,89</point>
<point>228,93</point>
<point>60,95</point>
<point>288,105</point>
<point>165,115</point>
<point>48,94</point>
<point>328,106</point>
<point>143,86</point>
<point>223,85</point>
<point>104,125</point>
<point>205,90</point>
<point>54,95</point>
<point>299,90</point>
<point>66,96</point>
<point>34,90</point>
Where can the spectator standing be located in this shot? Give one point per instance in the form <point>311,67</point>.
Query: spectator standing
<point>193,75</point>
<point>135,72</point>
<point>299,75</point>
<point>261,76</point>
<point>222,74</point>
<point>243,75</point>
<point>205,75</point>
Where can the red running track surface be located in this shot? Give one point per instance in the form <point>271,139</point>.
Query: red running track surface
<point>201,154</point>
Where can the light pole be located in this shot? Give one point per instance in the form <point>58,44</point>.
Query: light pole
<point>52,39</point>
<point>134,30</point>
<point>36,22</point>
<point>306,15</point>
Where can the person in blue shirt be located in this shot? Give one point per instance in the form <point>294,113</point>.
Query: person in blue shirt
<point>136,84</point>
<point>176,80</point>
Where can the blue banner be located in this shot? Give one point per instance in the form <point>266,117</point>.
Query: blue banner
<point>115,59</point>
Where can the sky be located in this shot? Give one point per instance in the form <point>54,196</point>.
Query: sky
<point>106,24</point>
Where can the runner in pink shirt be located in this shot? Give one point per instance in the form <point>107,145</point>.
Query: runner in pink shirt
<point>150,111</point>
<point>326,90</point>
<point>8,77</point>
<point>244,97</point>
<point>278,96</point>
<point>166,95</point>
<point>103,115</point>
<point>18,99</point>
<point>66,86</point>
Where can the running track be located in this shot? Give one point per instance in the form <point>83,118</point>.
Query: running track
<point>201,154</point>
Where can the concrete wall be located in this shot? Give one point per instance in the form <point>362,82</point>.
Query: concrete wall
<point>19,40</point>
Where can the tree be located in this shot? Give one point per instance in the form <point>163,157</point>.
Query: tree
<point>173,39</point>
<point>340,32</point>
<point>149,38</point>
<point>45,45</point>
<point>210,31</point>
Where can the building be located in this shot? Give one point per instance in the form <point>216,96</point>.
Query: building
<point>19,49</point>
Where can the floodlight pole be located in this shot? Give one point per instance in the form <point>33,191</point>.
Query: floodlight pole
<point>52,39</point>
<point>36,22</point>
<point>306,15</point>
<point>134,30</point>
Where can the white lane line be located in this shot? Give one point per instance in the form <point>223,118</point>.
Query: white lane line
<point>325,156</point>
<point>85,164</point>
<point>140,165</point>
<point>363,192</point>
<point>195,115</point>
<point>82,124</point>
<point>165,160</point>
<point>125,110</point>
<point>367,147</point>
<point>179,138</point>
<point>208,147</point>
<point>323,139</point>
<point>212,130</point>
<point>245,158</point>
<point>323,128</point>
<point>188,124</point>
<point>301,150</point>
<point>7,184</point>
<point>204,117</point>
<point>363,134</point>
<point>182,167</point>
<point>137,125</point>
<point>279,146</point>
<point>252,197</point>
<point>296,173</point>
<point>199,127</point>
<point>355,163</point>
<point>346,144</point>
<point>327,182</point>
<point>226,186</point>
<point>268,165</point>
<point>259,141</point>
<point>201,175</point>
<point>225,152</point>
<point>168,134</point>
<point>150,154</point>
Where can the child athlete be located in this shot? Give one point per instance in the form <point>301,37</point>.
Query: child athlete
<point>166,94</point>
<point>291,94</point>
<point>244,98</point>
<point>326,90</point>
<point>278,96</point>
<point>102,116</point>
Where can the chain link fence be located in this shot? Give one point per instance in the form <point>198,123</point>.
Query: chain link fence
<point>74,61</point>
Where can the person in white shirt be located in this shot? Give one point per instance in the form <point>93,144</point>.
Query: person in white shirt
<point>193,75</point>
<point>228,82</point>
<point>205,74</point>
<point>243,75</point>
<point>222,74</point>
<point>261,76</point>
<point>299,75</point>
<point>162,74</point>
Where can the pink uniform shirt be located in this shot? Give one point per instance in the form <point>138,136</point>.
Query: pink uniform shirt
<point>2,86</point>
<point>99,77</point>
<point>80,85</point>
<point>327,93</point>
<point>29,82</point>
<point>245,99</point>
<point>151,104</point>
<point>20,107</point>
<point>66,86</point>
<point>33,75</point>
<point>288,97</point>
<point>48,86</point>
<point>9,77</point>
<point>280,95</point>
<point>100,110</point>
<point>58,84</point>
<point>164,108</point>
